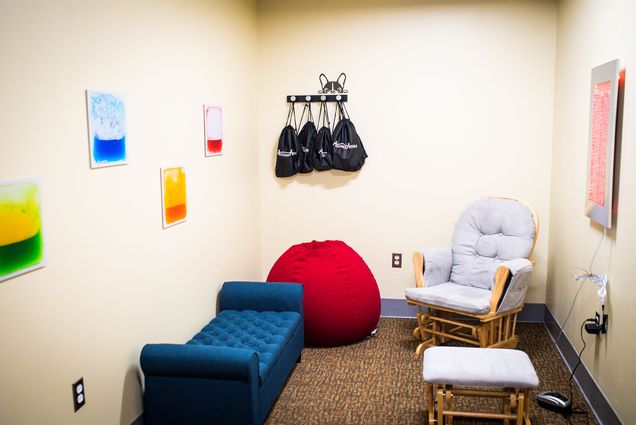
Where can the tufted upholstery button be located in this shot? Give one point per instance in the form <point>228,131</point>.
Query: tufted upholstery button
<point>264,332</point>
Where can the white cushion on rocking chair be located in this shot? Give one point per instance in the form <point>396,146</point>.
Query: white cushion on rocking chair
<point>456,297</point>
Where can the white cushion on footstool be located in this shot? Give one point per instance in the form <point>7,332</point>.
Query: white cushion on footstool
<point>479,367</point>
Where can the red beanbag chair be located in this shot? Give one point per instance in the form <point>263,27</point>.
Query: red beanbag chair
<point>342,300</point>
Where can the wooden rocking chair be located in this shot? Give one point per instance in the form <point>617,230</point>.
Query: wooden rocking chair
<point>473,291</point>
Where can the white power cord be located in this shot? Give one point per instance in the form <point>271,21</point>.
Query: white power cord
<point>599,280</point>
<point>582,276</point>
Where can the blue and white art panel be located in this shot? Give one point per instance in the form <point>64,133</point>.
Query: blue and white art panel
<point>106,128</point>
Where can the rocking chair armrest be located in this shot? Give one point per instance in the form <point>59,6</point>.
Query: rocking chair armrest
<point>515,293</point>
<point>511,285</point>
<point>518,265</point>
<point>432,266</point>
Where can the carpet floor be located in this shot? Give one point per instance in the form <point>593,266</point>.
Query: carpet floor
<point>379,381</point>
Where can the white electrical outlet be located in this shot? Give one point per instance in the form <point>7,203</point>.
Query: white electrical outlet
<point>79,396</point>
<point>396,260</point>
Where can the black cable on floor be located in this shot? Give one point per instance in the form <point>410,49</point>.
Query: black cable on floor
<point>578,411</point>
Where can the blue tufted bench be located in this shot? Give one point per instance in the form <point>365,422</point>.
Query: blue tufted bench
<point>232,371</point>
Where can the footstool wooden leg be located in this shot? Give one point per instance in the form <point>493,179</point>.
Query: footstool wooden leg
<point>506,407</point>
<point>449,403</point>
<point>431,404</point>
<point>520,408</point>
<point>527,409</point>
<point>440,406</point>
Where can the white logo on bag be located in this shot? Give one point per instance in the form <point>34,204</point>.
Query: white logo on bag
<point>306,150</point>
<point>341,145</point>
<point>322,153</point>
<point>286,154</point>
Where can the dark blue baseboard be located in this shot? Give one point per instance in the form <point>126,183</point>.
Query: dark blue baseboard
<point>603,410</point>
<point>391,307</point>
<point>139,420</point>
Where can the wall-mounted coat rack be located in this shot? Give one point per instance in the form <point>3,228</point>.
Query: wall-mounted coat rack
<point>331,91</point>
<point>317,98</point>
<point>302,147</point>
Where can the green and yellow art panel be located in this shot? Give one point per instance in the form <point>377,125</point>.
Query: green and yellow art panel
<point>21,246</point>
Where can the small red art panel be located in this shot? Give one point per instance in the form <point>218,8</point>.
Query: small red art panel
<point>213,123</point>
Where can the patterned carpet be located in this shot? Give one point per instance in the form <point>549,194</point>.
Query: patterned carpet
<point>378,381</point>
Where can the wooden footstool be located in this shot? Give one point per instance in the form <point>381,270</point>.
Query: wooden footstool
<point>497,372</point>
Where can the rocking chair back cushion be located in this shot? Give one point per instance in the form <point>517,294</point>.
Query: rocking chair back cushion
<point>489,232</point>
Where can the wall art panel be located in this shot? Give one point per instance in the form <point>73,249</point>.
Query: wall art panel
<point>21,240</point>
<point>106,128</point>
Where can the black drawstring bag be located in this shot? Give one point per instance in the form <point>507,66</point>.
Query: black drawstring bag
<point>348,152</point>
<point>306,140</point>
<point>287,152</point>
<point>323,146</point>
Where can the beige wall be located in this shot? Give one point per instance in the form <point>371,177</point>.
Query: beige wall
<point>591,33</point>
<point>115,279</point>
<point>453,101</point>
